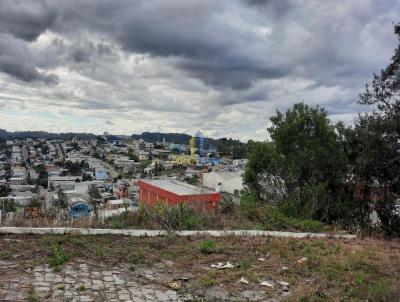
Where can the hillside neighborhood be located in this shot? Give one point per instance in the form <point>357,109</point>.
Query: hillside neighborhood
<point>60,175</point>
<point>200,151</point>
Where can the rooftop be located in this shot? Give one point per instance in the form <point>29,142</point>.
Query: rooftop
<point>177,187</point>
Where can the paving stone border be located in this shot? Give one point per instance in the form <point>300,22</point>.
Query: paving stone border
<point>157,233</point>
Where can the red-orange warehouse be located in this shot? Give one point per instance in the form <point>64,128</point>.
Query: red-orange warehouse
<point>174,192</point>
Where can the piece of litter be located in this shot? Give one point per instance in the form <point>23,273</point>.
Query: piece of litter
<point>261,259</point>
<point>285,268</point>
<point>221,265</point>
<point>283,283</point>
<point>302,260</point>
<point>183,278</point>
<point>175,285</point>
<point>266,283</point>
<point>243,280</point>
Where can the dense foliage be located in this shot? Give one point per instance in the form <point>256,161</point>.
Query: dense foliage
<point>314,169</point>
<point>378,163</point>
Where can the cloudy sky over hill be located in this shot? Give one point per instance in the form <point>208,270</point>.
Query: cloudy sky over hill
<point>222,67</point>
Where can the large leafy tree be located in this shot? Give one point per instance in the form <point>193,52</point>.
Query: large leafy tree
<point>305,158</point>
<point>313,162</point>
<point>378,166</point>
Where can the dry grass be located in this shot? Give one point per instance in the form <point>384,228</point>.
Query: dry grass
<point>264,217</point>
<point>335,270</point>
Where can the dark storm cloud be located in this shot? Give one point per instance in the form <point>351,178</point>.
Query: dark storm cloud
<point>278,8</point>
<point>17,60</point>
<point>191,31</point>
<point>320,50</point>
<point>26,19</point>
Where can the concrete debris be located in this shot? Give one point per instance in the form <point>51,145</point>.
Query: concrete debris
<point>221,265</point>
<point>284,283</point>
<point>243,280</point>
<point>267,283</point>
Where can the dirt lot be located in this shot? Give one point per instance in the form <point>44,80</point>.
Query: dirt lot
<point>180,269</point>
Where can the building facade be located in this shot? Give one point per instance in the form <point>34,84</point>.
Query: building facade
<point>174,192</point>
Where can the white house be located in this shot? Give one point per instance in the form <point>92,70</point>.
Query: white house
<point>226,182</point>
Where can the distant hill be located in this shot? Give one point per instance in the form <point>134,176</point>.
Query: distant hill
<point>43,134</point>
<point>152,137</point>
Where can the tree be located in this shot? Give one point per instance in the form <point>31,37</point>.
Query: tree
<point>4,190</point>
<point>263,159</point>
<point>313,165</point>
<point>303,168</point>
<point>379,129</point>
<point>74,169</point>
<point>62,198</point>
<point>87,177</point>
<point>95,197</point>
<point>8,205</point>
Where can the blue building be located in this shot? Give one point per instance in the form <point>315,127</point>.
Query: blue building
<point>101,174</point>
<point>79,208</point>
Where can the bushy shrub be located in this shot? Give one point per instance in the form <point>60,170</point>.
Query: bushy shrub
<point>58,256</point>
<point>207,247</point>
<point>248,204</point>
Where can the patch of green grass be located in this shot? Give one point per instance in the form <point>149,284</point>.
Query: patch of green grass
<point>170,255</point>
<point>207,247</point>
<point>33,296</point>
<point>58,256</point>
<point>379,290</point>
<point>100,251</point>
<point>207,281</point>
<point>359,278</point>
<point>81,288</point>
<point>117,223</point>
<point>75,240</point>
<point>138,257</point>
<point>5,255</point>
<point>244,264</point>
<point>374,290</point>
<point>252,277</point>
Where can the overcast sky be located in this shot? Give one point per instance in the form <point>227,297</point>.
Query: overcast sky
<point>222,67</point>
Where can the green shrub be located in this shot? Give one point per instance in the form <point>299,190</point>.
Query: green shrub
<point>117,222</point>
<point>4,255</point>
<point>249,204</point>
<point>207,247</point>
<point>58,256</point>
<point>273,218</point>
<point>379,290</point>
<point>33,296</point>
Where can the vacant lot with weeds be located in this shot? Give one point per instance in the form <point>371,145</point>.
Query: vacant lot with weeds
<point>315,270</point>
<point>186,217</point>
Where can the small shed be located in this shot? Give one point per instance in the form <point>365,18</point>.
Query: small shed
<point>79,208</point>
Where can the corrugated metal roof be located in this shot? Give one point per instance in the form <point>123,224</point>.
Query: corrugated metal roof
<point>177,187</point>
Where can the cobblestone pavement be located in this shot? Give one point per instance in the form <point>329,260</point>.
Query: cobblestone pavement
<point>81,282</point>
